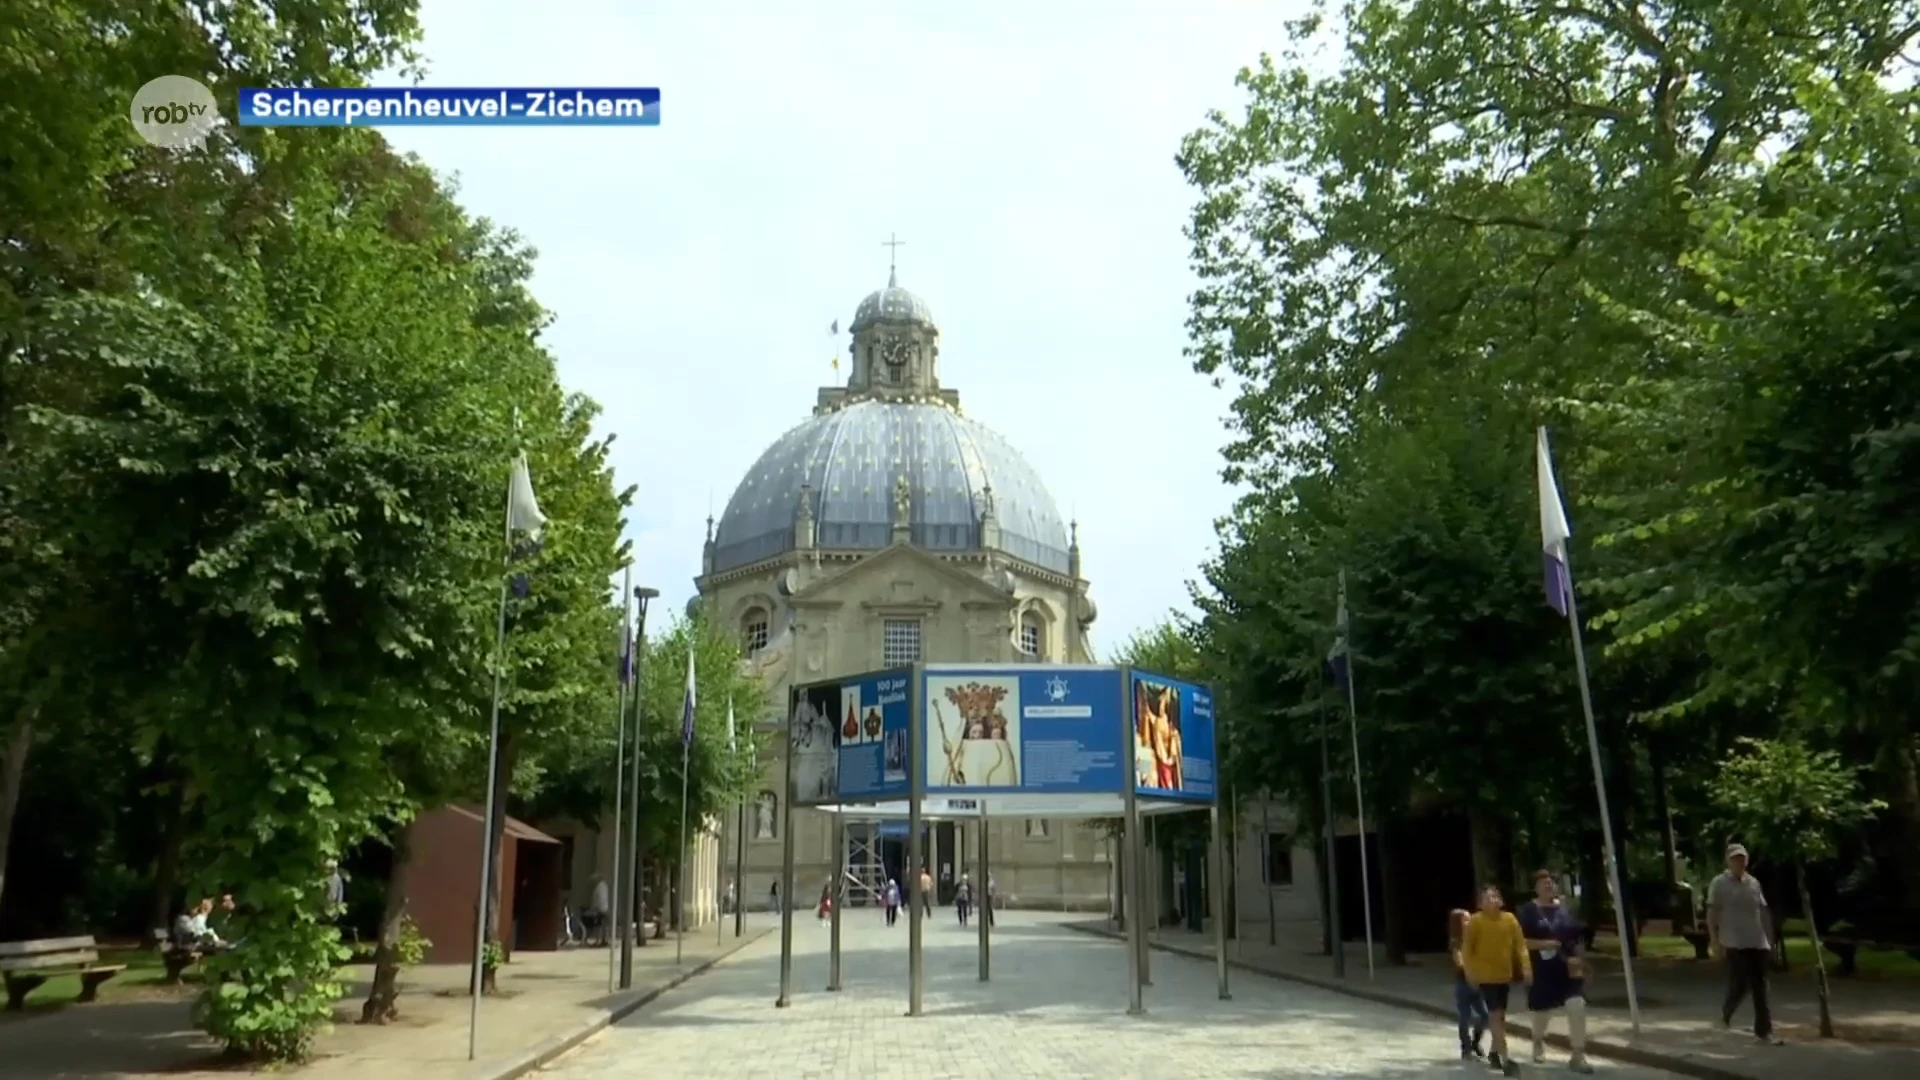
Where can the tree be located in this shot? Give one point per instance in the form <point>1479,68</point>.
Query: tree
<point>1793,801</point>
<point>1496,214</point>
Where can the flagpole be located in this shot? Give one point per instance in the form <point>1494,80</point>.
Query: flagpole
<point>680,902</point>
<point>1606,817</point>
<point>619,768</point>
<point>493,774</point>
<point>740,839</point>
<point>1360,817</point>
<point>1554,534</point>
<point>686,757</point>
<point>1359,799</point>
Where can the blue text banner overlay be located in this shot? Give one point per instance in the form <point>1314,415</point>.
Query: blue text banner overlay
<point>497,106</point>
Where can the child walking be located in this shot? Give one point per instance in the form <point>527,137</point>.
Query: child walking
<point>1493,952</point>
<point>1467,1002</point>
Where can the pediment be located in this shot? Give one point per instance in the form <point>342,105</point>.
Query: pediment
<point>876,575</point>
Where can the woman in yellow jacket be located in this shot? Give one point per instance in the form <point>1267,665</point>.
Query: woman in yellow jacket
<point>1493,953</point>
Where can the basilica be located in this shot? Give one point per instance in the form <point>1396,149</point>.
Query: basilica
<point>887,528</point>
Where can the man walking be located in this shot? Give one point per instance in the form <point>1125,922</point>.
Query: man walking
<point>1738,928</point>
<point>926,893</point>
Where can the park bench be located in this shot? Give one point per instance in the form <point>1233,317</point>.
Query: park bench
<point>26,965</point>
<point>175,957</point>
<point>1847,947</point>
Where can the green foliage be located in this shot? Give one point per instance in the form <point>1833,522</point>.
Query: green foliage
<point>413,945</point>
<point>1676,234</point>
<point>1786,799</point>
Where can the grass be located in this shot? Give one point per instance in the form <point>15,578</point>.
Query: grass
<point>144,970</point>
<point>1882,964</point>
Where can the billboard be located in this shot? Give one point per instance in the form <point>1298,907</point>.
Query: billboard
<point>847,739</point>
<point>1173,747</point>
<point>1023,728</point>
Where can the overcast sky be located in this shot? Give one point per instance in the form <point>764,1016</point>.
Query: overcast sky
<point>1023,152</point>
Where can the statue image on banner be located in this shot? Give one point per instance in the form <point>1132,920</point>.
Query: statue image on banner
<point>813,743</point>
<point>1156,736</point>
<point>766,816</point>
<point>974,729</point>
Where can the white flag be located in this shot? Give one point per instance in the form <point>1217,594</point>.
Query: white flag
<point>1554,531</point>
<point>730,741</point>
<point>523,512</point>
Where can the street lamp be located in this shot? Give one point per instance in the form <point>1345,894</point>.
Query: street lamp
<point>635,909</point>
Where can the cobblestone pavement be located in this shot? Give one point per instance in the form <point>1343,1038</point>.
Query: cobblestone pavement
<point>1054,1010</point>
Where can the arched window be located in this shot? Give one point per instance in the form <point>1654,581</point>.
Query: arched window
<point>766,816</point>
<point>1033,637</point>
<point>753,631</point>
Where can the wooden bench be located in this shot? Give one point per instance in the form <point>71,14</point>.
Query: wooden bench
<point>1848,947</point>
<point>27,965</point>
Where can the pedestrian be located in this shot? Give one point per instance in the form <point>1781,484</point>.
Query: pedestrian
<point>825,908</point>
<point>1737,927</point>
<point>963,899</point>
<point>773,896</point>
<point>993,897</point>
<point>1468,1005</point>
<point>598,905</point>
<point>1559,982</point>
<point>926,893</point>
<point>1494,953</point>
<point>892,901</point>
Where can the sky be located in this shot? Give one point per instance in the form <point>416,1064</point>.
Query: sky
<point>1022,152</point>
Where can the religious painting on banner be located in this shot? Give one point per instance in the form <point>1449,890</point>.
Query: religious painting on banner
<point>1023,727</point>
<point>1173,739</point>
<point>813,744</point>
<point>875,711</point>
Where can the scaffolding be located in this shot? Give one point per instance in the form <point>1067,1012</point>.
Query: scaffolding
<point>866,872</point>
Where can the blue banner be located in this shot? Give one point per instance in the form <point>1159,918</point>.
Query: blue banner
<point>492,106</point>
<point>1026,728</point>
<point>1173,739</point>
<point>848,739</point>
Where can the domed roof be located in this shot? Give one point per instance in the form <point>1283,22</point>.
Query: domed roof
<point>891,304</point>
<point>849,460</point>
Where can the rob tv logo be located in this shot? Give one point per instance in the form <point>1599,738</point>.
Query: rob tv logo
<point>174,112</point>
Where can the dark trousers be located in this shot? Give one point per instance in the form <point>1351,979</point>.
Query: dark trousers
<point>1747,973</point>
<point>1471,1009</point>
<point>892,914</point>
<point>960,908</point>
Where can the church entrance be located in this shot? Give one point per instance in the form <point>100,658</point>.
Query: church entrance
<point>877,853</point>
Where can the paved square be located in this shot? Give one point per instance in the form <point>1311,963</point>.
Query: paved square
<point>1054,1010</point>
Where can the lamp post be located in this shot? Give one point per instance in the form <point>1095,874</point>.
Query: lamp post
<point>634,912</point>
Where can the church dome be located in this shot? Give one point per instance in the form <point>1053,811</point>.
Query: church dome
<point>891,304</point>
<point>848,461</point>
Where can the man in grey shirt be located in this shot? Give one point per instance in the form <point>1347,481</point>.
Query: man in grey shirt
<point>1739,926</point>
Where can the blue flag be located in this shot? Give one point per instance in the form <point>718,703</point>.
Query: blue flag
<point>686,705</point>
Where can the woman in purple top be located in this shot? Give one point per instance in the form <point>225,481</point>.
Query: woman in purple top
<point>1553,937</point>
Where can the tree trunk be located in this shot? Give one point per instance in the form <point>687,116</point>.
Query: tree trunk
<point>1678,900</point>
<point>499,920</point>
<point>642,894</point>
<point>13,772</point>
<point>1819,961</point>
<point>166,865</point>
<point>1393,913</point>
<point>1484,832</point>
<point>1323,875</point>
<point>380,1007</point>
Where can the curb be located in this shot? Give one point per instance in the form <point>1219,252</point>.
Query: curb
<point>547,1052</point>
<point>1604,1048</point>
